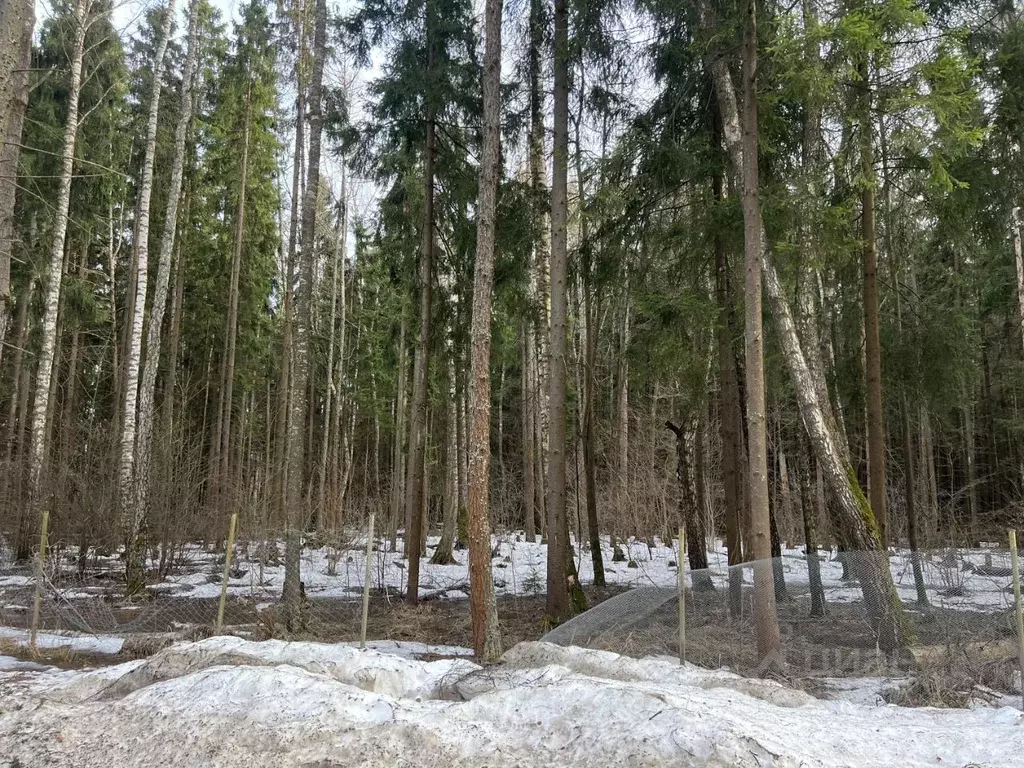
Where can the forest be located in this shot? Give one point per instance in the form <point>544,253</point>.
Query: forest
<point>581,268</point>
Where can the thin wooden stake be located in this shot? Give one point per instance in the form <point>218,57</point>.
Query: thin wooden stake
<point>39,581</point>
<point>366,584</point>
<point>227,569</point>
<point>1015,563</point>
<point>681,585</point>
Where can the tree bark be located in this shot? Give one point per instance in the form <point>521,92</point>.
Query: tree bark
<point>298,499</point>
<point>222,479</point>
<point>144,438</point>
<point>1018,259</point>
<point>729,421</point>
<point>17,23</point>
<point>486,640</point>
<point>540,289</point>
<point>333,381</point>
<point>559,605</point>
<point>54,277</point>
<point>810,515</point>
<point>421,363</point>
<point>131,520</point>
<point>769,642</point>
<point>450,522</point>
<point>909,480</point>
<point>398,459</point>
<point>872,342</point>
<point>690,517</point>
<point>589,328</point>
<point>529,499</point>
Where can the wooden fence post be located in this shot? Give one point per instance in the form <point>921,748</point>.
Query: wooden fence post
<point>681,586</point>
<point>366,583</point>
<point>40,576</point>
<point>227,571</point>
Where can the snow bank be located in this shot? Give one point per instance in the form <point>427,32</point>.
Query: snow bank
<point>367,670</point>
<point>231,703</point>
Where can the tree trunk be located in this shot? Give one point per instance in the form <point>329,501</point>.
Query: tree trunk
<point>298,499</point>
<point>421,363</point>
<point>559,605</point>
<point>398,458</point>
<point>450,522</point>
<point>810,515</point>
<point>872,342</point>
<point>1018,258</point>
<point>541,310</point>
<point>222,477</point>
<point>691,518</point>
<point>529,500</point>
<point>622,406</point>
<point>131,514</point>
<point>54,278</point>
<point>909,480</point>
<point>17,22</point>
<point>144,438</point>
<point>333,381</point>
<point>486,640</point>
<point>768,639</point>
<point>589,326</point>
<point>729,421</point>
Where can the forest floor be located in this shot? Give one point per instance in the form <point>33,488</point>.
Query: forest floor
<point>963,641</point>
<point>140,683</point>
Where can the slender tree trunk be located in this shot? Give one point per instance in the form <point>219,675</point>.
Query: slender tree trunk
<point>872,343</point>
<point>559,604</point>
<point>450,522</point>
<point>729,420</point>
<point>421,365</point>
<point>486,640</point>
<point>908,472</point>
<point>1018,259</point>
<point>810,515</point>
<point>223,479</point>
<point>622,404</point>
<point>298,498</point>
<point>174,340</point>
<point>398,459</point>
<point>529,499</point>
<point>690,517</point>
<point>17,22</point>
<point>131,519</point>
<point>147,395</point>
<point>541,321</point>
<point>54,277</point>
<point>590,328</point>
<point>769,642</point>
<point>333,383</point>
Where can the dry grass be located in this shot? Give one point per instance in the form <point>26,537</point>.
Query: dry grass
<point>63,656</point>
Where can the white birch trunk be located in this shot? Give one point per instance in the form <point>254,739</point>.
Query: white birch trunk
<point>54,277</point>
<point>130,514</point>
<point>144,437</point>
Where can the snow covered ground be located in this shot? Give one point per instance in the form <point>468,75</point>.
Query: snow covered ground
<point>229,702</point>
<point>520,569</point>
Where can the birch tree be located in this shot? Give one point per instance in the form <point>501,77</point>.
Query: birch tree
<point>131,514</point>
<point>41,411</point>
<point>146,416</point>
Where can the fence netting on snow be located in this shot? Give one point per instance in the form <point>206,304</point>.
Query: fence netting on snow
<point>960,622</point>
